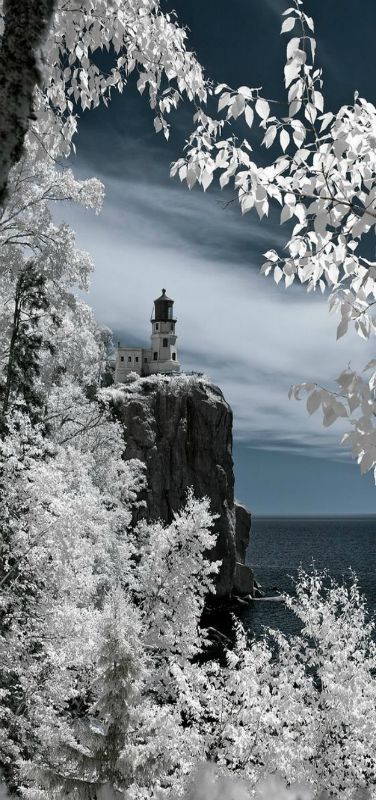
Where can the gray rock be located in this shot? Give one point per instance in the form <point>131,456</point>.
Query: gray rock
<point>243,580</point>
<point>243,527</point>
<point>181,428</point>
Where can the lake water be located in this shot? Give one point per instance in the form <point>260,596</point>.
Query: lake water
<point>279,545</point>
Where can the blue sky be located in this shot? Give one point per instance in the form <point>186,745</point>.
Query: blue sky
<point>254,339</point>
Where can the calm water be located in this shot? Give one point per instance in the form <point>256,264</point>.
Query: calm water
<point>279,545</point>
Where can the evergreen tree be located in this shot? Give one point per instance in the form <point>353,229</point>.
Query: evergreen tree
<point>20,388</point>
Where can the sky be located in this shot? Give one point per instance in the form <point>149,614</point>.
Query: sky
<point>252,338</point>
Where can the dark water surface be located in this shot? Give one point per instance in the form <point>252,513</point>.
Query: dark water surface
<point>279,545</point>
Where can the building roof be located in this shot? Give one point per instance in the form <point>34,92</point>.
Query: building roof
<point>163,297</point>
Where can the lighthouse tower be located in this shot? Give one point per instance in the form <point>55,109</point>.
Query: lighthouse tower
<point>164,357</point>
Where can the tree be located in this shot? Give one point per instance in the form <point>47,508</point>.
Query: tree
<point>67,493</point>
<point>61,549</point>
<point>298,708</point>
<point>23,366</point>
<point>94,718</point>
<point>172,563</point>
<point>25,28</point>
<point>103,690</point>
<point>104,750</point>
<point>325,183</point>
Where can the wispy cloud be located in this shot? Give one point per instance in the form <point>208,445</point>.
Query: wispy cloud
<point>254,339</point>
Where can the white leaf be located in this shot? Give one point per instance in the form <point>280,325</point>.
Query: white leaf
<point>367,462</point>
<point>284,139</point>
<point>294,107</point>
<point>342,328</point>
<point>262,108</point>
<point>309,22</point>
<point>313,401</point>
<point>333,273</point>
<point>296,90</point>
<point>318,100</point>
<point>292,71</point>
<point>371,364</point>
<point>299,135</point>
<point>191,178</point>
<point>270,136</point>
<point>286,214</point>
<point>292,46</point>
<point>278,274</point>
<point>353,401</point>
<point>271,255</point>
<point>206,180</point>
<point>237,106</point>
<point>326,119</point>
<point>249,116</point>
<point>310,112</point>
<point>224,179</point>
<point>330,416</point>
<point>289,279</point>
<point>224,100</point>
<point>247,203</point>
<point>218,89</point>
<point>183,172</point>
<point>288,24</point>
<point>246,92</point>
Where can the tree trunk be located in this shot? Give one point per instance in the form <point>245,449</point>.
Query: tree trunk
<point>26,24</point>
<point>13,341</point>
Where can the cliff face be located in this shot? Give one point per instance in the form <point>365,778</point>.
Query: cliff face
<point>181,428</point>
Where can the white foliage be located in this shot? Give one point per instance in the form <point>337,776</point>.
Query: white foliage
<point>172,577</point>
<point>103,693</point>
<point>301,708</point>
<point>325,182</point>
<point>139,37</point>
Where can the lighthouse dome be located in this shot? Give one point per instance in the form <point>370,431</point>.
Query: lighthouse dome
<point>163,308</point>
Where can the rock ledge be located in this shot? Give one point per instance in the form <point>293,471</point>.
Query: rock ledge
<point>181,428</point>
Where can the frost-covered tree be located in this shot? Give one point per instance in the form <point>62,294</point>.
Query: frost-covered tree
<point>322,176</point>
<point>173,563</point>
<point>62,546</point>
<point>25,343</point>
<point>117,742</point>
<point>93,718</point>
<point>300,708</point>
<point>103,691</point>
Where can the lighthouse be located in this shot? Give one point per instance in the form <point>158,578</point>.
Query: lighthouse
<point>162,357</point>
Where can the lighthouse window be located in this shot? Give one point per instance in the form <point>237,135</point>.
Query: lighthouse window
<point>129,358</point>
<point>165,342</point>
<point>121,358</point>
<point>169,314</point>
<point>156,326</point>
<point>155,356</point>
<point>172,326</point>
<point>174,356</point>
<point>136,358</point>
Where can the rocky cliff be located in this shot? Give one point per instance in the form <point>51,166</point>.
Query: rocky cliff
<point>181,428</point>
